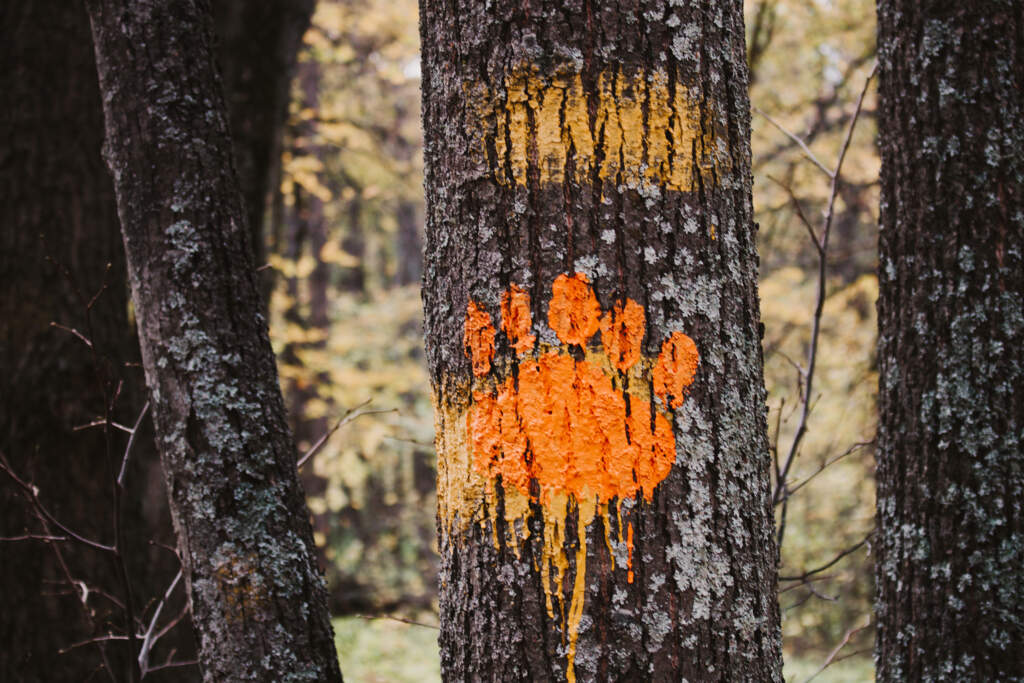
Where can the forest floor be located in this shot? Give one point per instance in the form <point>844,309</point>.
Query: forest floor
<point>383,650</point>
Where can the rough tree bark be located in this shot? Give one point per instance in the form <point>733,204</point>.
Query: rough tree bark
<point>258,601</point>
<point>950,548</point>
<point>592,339</point>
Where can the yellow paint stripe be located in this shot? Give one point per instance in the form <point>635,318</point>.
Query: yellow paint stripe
<point>644,133</point>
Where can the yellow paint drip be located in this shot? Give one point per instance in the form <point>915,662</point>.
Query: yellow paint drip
<point>645,133</point>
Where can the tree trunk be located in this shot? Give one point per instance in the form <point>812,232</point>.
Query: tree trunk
<point>259,42</point>
<point>592,339</point>
<point>408,245</point>
<point>258,602</point>
<point>59,244</point>
<point>950,547</point>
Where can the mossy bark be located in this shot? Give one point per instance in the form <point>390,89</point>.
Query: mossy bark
<point>258,601</point>
<point>950,541</point>
<point>603,147</point>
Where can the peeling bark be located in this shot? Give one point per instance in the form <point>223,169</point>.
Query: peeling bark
<point>258,601</point>
<point>603,494</point>
<point>950,548</point>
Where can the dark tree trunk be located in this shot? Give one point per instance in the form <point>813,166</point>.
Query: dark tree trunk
<point>259,42</point>
<point>950,547</point>
<point>353,243</point>
<point>409,252</point>
<point>258,601</point>
<point>594,524</point>
<point>58,238</point>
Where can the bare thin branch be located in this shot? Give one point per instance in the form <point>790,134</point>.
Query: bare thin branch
<point>799,141</point>
<point>131,442</point>
<point>350,415</point>
<point>72,331</point>
<point>831,659</point>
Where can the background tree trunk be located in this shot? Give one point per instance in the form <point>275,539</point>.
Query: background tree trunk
<point>950,547</point>
<point>594,524</point>
<point>60,244</point>
<point>258,601</point>
<point>259,42</point>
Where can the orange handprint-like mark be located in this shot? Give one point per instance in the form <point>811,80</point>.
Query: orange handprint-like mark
<point>582,428</point>
<point>587,431</point>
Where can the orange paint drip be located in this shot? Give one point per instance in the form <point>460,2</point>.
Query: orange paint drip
<point>622,332</point>
<point>516,319</point>
<point>574,313</point>
<point>629,550</point>
<point>478,338</point>
<point>676,369</point>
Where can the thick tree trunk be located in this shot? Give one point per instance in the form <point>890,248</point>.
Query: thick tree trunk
<point>258,602</point>
<point>950,548</point>
<point>59,243</point>
<point>592,338</point>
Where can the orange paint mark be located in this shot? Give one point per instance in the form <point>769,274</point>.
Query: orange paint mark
<point>516,319</point>
<point>566,423</point>
<point>629,550</point>
<point>478,338</point>
<point>676,369</point>
<point>564,432</point>
<point>622,331</point>
<point>570,417</point>
<point>574,313</point>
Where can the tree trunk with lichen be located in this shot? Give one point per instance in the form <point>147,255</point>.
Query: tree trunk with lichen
<point>592,339</point>
<point>258,601</point>
<point>950,544</point>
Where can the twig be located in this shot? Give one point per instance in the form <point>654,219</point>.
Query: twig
<point>103,423</point>
<point>147,638</point>
<point>824,466</point>
<point>350,415</point>
<point>91,641</point>
<point>401,619</point>
<point>812,352</point>
<point>169,664</point>
<point>32,493</point>
<point>811,572</point>
<point>795,138</point>
<point>72,331</point>
<point>33,537</point>
<point>131,442</point>
<point>832,655</point>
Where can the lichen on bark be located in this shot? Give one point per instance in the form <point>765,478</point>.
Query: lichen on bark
<point>950,541</point>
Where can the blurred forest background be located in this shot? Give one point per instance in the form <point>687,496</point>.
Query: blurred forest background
<point>344,253</point>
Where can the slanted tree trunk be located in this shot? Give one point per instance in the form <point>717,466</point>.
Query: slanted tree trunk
<point>592,337</point>
<point>258,601</point>
<point>950,546</point>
